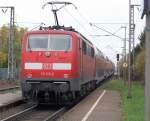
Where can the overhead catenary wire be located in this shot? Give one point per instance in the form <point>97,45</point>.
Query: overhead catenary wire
<point>100,23</point>
<point>83,18</point>
<point>117,30</point>
<point>27,22</point>
<point>76,20</point>
<point>106,31</point>
<point>85,29</point>
<point>87,21</point>
<point>108,34</point>
<point>111,23</point>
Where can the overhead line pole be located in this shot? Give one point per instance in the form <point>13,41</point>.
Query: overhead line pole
<point>133,35</point>
<point>11,62</point>
<point>129,55</point>
<point>125,56</point>
<point>131,39</point>
<point>124,51</point>
<point>132,29</point>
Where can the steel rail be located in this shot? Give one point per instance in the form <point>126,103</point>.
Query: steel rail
<point>10,88</point>
<point>55,115</point>
<point>17,115</point>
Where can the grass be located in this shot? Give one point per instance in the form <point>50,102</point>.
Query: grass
<point>133,108</point>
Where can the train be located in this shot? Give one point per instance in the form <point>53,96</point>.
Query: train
<point>58,65</point>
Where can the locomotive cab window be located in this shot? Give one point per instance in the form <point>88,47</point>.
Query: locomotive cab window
<point>60,42</point>
<point>49,42</point>
<point>36,43</point>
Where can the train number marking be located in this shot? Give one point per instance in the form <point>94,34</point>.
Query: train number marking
<point>47,74</point>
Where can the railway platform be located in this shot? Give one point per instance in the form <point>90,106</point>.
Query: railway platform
<point>8,98</point>
<point>100,105</point>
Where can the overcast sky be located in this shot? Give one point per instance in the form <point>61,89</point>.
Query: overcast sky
<point>29,13</point>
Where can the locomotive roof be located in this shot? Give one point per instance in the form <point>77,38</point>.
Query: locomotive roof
<point>62,29</point>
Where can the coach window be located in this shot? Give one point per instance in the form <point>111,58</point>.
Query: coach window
<point>79,44</point>
<point>84,46</point>
<point>102,55</point>
<point>92,52</point>
<point>88,49</point>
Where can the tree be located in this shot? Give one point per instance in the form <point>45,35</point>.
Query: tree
<point>18,36</point>
<point>139,62</point>
<point>3,59</point>
<point>4,36</point>
<point>4,31</point>
<point>139,65</point>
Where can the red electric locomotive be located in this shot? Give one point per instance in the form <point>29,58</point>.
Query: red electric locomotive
<point>54,63</point>
<point>58,64</point>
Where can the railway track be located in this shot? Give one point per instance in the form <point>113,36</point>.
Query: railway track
<point>12,108</point>
<point>22,112</point>
<point>36,113</point>
<point>15,116</point>
<point>9,89</point>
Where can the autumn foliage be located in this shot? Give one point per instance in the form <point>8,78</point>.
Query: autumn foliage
<point>4,36</point>
<point>138,63</point>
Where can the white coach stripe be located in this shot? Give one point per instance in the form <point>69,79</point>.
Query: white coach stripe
<point>92,108</point>
<point>61,66</point>
<point>37,66</point>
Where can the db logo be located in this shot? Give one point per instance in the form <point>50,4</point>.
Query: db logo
<point>47,66</point>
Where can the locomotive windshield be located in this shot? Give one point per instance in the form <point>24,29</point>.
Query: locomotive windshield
<point>49,42</point>
<point>38,43</point>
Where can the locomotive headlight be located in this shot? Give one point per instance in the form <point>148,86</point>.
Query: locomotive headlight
<point>29,75</point>
<point>66,75</point>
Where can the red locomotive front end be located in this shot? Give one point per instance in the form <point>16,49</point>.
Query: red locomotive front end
<point>49,61</point>
<point>47,55</point>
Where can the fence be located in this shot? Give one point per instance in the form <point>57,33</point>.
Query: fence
<point>4,74</point>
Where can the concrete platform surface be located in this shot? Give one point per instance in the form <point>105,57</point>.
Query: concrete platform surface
<point>100,105</point>
<point>8,98</point>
